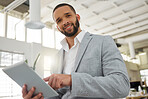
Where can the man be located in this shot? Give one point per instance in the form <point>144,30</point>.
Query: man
<point>91,66</point>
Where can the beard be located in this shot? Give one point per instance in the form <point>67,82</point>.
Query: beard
<point>75,29</point>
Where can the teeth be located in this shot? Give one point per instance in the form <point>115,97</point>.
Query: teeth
<point>68,27</point>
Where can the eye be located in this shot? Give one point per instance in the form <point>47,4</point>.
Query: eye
<point>58,21</point>
<point>68,16</point>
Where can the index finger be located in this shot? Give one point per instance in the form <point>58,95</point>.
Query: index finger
<point>46,79</point>
<point>24,90</point>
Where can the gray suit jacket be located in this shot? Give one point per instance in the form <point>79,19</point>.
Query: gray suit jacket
<point>100,72</point>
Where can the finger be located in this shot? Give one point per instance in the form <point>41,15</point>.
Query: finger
<point>37,96</point>
<point>30,93</point>
<point>53,84</point>
<point>42,97</point>
<point>50,80</point>
<point>46,79</point>
<point>60,83</point>
<point>24,90</point>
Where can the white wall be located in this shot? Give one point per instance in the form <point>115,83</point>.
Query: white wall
<point>16,46</point>
<point>30,50</point>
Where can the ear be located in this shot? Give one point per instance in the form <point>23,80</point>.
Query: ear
<point>78,17</point>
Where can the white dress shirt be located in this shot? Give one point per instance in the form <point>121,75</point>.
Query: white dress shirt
<point>70,54</point>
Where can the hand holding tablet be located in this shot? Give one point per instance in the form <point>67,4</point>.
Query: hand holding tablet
<point>22,74</point>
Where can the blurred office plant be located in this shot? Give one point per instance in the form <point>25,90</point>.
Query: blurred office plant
<point>34,64</point>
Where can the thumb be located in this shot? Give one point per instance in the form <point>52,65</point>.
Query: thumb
<point>46,79</point>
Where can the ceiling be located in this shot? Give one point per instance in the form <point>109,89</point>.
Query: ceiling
<point>22,8</point>
<point>124,20</point>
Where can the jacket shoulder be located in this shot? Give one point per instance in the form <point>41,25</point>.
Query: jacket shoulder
<point>100,37</point>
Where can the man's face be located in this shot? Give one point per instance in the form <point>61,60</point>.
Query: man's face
<point>67,21</point>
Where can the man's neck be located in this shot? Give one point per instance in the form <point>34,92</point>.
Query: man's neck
<point>70,40</point>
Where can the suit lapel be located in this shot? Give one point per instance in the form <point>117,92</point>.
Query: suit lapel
<point>82,49</point>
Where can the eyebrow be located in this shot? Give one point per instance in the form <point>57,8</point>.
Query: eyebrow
<point>64,14</point>
<point>67,13</point>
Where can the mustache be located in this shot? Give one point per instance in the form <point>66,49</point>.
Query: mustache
<point>66,24</point>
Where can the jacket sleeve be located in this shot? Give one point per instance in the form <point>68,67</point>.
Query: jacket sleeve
<point>113,84</point>
<point>57,97</point>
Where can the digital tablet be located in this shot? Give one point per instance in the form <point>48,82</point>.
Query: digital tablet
<point>22,74</point>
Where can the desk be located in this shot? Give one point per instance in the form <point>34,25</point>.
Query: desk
<point>137,97</point>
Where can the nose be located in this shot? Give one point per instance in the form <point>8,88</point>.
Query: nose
<point>65,22</point>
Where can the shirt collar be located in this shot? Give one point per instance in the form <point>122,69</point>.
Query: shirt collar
<point>65,44</point>
<point>79,37</point>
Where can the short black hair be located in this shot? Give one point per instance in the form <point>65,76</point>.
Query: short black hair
<point>64,4</point>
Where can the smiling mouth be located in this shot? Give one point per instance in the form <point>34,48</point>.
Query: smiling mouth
<point>68,27</point>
